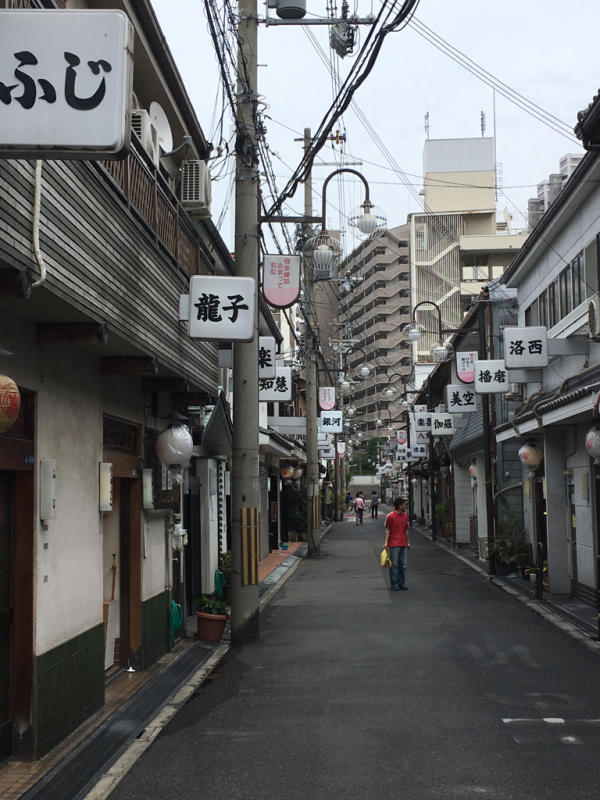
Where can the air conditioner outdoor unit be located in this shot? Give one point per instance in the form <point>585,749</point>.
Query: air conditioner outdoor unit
<point>145,130</point>
<point>594,317</point>
<point>195,187</point>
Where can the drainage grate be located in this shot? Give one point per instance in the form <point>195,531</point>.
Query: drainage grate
<point>81,769</point>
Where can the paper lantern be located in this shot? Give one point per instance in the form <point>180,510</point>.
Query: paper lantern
<point>592,442</point>
<point>473,471</point>
<point>175,445</point>
<point>10,402</point>
<point>530,455</point>
<point>287,472</point>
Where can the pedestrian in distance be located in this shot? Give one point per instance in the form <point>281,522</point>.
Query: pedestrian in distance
<point>359,508</point>
<point>374,504</point>
<point>348,501</point>
<point>397,543</point>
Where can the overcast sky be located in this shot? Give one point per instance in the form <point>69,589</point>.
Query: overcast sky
<point>543,49</point>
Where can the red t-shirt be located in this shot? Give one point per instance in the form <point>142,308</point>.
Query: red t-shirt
<point>397,525</point>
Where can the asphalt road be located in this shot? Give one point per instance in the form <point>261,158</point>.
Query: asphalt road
<point>452,690</point>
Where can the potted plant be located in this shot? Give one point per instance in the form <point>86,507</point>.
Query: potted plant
<point>226,570</point>
<point>511,546</point>
<point>211,618</point>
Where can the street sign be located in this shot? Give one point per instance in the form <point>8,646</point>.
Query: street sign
<point>525,347</point>
<point>220,308</point>
<point>281,280</point>
<point>460,399</point>
<point>266,356</point>
<point>491,377</point>
<point>330,422</point>
<point>326,397</point>
<point>277,389</point>
<point>465,365</point>
<point>442,424</point>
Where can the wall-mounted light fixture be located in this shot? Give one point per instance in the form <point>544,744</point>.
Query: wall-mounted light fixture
<point>592,443</point>
<point>147,489</point>
<point>47,490</point>
<point>530,455</point>
<point>106,486</point>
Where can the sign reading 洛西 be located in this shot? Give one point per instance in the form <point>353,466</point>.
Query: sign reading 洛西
<point>281,280</point>
<point>330,422</point>
<point>326,397</point>
<point>460,399</point>
<point>266,356</point>
<point>221,308</point>
<point>465,365</point>
<point>491,377</point>
<point>65,83</point>
<point>525,347</point>
<point>277,389</point>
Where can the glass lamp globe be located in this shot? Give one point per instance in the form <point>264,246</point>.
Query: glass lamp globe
<point>359,435</point>
<point>323,256</point>
<point>175,445</point>
<point>350,412</point>
<point>365,371</point>
<point>367,220</point>
<point>442,352</point>
<point>345,386</point>
<point>389,393</point>
<point>592,442</point>
<point>413,332</point>
<point>379,423</point>
<point>405,405</point>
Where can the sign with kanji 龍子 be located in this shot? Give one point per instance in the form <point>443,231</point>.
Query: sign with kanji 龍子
<point>220,308</point>
<point>460,398</point>
<point>326,397</point>
<point>281,280</point>
<point>491,377</point>
<point>65,83</point>
<point>442,424</point>
<point>525,347</point>
<point>465,365</point>
<point>277,389</point>
<point>330,422</point>
<point>266,356</point>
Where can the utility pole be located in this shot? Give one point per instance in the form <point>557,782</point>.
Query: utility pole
<point>245,486</point>
<point>487,442</point>
<point>311,377</point>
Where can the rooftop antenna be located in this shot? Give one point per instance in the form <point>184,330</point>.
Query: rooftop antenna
<point>427,125</point>
<point>482,124</point>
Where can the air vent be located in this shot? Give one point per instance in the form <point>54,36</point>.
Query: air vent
<point>195,188</point>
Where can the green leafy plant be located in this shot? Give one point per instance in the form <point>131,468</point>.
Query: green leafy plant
<point>298,515</point>
<point>510,544</point>
<point>443,512</point>
<point>226,566</point>
<point>210,605</point>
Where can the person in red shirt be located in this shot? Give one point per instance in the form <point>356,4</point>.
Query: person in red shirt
<point>397,543</point>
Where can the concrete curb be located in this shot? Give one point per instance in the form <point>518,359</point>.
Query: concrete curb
<point>539,609</point>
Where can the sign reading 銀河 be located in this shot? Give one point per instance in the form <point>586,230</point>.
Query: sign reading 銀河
<point>525,347</point>
<point>491,377</point>
<point>220,308</point>
<point>65,83</point>
<point>330,422</point>
<point>281,280</point>
<point>460,399</point>
<point>277,389</point>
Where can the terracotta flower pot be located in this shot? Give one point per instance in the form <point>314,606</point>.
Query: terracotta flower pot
<point>211,626</point>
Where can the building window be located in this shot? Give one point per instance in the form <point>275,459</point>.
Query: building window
<point>578,271</point>
<point>543,308</point>
<point>553,304</point>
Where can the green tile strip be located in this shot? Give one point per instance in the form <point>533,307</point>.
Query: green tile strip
<point>155,623</point>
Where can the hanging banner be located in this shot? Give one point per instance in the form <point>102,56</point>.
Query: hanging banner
<point>341,449</point>
<point>422,421</point>
<point>278,389</point>
<point>326,397</point>
<point>442,424</point>
<point>460,399</point>
<point>401,436</point>
<point>219,308</point>
<point>491,377</point>
<point>465,365</point>
<point>525,348</point>
<point>328,453</point>
<point>266,356</point>
<point>330,422</point>
<point>419,451</point>
<point>281,280</point>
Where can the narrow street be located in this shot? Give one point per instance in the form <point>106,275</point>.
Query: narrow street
<point>452,689</point>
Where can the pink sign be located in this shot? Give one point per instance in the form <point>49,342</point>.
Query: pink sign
<point>401,436</point>
<point>326,397</point>
<point>341,448</point>
<point>281,280</point>
<point>465,366</point>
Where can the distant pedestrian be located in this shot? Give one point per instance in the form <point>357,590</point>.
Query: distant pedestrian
<point>374,504</point>
<point>359,507</point>
<point>348,501</point>
<point>396,540</point>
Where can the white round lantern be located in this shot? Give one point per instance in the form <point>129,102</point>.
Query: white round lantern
<point>365,371</point>
<point>175,445</point>
<point>531,456</point>
<point>592,442</point>
<point>472,471</point>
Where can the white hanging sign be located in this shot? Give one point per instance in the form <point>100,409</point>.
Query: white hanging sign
<point>65,83</point>
<point>442,424</point>
<point>326,397</point>
<point>341,449</point>
<point>266,356</point>
<point>525,347</point>
<point>423,421</point>
<point>491,377</point>
<point>401,452</point>
<point>465,365</point>
<point>324,438</point>
<point>420,409</point>
<point>328,453</point>
<point>281,280</point>
<point>277,389</point>
<point>401,436</point>
<point>330,422</point>
<point>460,399</point>
<point>419,450</point>
<point>221,308</point>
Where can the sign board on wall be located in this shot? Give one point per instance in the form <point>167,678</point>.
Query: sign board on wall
<point>330,422</point>
<point>219,308</point>
<point>65,79</point>
<point>326,397</point>
<point>491,377</point>
<point>525,348</point>
<point>266,356</point>
<point>277,389</point>
<point>460,399</point>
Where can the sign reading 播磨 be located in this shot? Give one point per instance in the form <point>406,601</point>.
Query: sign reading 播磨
<point>465,365</point>
<point>281,280</point>
<point>65,83</point>
<point>277,389</point>
<point>525,347</point>
<point>221,308</point>
<point>460,399</point>
<point>330,422</point>
<point>491,377</point>
<point>326,397</point>
<point>266,356</point>
<point>442,424</point>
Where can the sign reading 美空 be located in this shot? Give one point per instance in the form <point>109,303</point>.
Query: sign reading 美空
<point>219,308</point>
<point>281,280</point>
<point>460,399</point>
<point>266,356</point>
<point>525,347</point>
<point>491,377</point>
<point>330,422</point>
<point>65,84</point>
<point>277,389</point>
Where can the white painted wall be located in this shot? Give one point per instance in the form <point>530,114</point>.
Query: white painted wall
<point>463,503</point>
<point>156,556</point>
<point>206,470</point>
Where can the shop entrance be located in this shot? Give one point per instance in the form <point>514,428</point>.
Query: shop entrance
<point>6,611</point>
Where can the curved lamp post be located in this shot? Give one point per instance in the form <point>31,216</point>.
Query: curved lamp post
<point>441,351</point>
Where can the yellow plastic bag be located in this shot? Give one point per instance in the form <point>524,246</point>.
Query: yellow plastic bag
<point>384,558</point>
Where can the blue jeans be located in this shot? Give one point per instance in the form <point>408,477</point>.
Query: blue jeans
<point>398,559</point>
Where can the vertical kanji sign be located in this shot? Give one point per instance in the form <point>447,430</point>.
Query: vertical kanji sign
<point>277,389</point>
<point>266,356</point>
<point>465,365</point>
<point>281,280</point>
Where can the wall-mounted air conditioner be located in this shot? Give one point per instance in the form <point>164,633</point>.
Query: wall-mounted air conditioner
<point>195,187</point>
<point>594,317</point>
<point>145,130</point>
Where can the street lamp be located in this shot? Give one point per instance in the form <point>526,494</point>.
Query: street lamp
<point>442,351</point>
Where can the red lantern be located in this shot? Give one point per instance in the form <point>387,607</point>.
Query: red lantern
<point>10,402</point>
